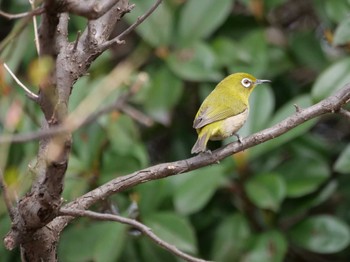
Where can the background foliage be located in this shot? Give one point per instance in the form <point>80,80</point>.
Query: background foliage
<point>285,200</point>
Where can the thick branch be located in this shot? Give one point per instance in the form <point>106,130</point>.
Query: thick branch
<point>118,39</point>
<point>91,9</point>
<point>131,222</point>
<point>329,105</point>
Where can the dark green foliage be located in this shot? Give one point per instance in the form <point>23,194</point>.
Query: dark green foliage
<point>284,200</point>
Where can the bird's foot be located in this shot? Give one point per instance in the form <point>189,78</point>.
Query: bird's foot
<point>239,138</point>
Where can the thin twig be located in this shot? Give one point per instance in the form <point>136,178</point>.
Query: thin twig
<point>5,195</point>
<point>328,105</point>
<point>35,25</point>
<point>118,39</point>
<point>29,93</point>
<point>34,12</point>
<point>77,41</point>
<point>118,104</point>
<point>345,113</point>
<point>131,222</point>
<point>136,115</point>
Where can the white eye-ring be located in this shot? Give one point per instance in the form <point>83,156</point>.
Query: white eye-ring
<point>246,82</point>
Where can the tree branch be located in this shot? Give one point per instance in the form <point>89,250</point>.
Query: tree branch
<point>6,196</point>
<point>131,222</point>
<point>91,9</point>
<point>119,104</point>
<point>344,113</point>
<point>329,105</point>
<point>34,12</point>
<point>29,93</point>
<point>118,39</point>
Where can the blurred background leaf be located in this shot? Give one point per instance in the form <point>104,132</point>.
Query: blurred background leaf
<point>287,199</point>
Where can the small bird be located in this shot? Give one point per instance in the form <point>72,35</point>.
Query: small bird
<point>225,109</point>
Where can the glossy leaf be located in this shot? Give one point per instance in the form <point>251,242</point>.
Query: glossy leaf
<point>287,110</point>
<point>196,63</point>
<point>342,33</point>
<point>173,229</point>
<point>321,234</point>
<point>151,252</point>
<point>252,54</point>
<point>342,165</point>
<point>5,254</point>
<point>158,29</point>
<point>332,79</point>
<point>101,241</point>
<point>300,206</point>
<point>152,195</point>
<point>262,103</point>
<point>270,246</point>
<point>266,191</point>
<point>162,94</point>
<point>194,190</point>
<point>307,50</point>
<point>304,175</point>
<point>199,18</point>
<point>225,50</point>
<point>337,10</point>
<point>231,238</point>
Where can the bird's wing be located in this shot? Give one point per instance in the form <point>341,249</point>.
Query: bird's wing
<point>226,108</point>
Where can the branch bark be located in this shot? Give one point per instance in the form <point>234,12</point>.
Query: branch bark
<point>131,222</point>
<point>332,104</point>
<point>30,229</point>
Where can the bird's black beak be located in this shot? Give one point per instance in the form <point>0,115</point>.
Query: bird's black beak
<point>261,81</point>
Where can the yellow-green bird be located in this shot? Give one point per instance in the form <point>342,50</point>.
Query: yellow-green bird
<point>225,109</point>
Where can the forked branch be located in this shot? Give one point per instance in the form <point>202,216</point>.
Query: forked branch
<point>131,222</point>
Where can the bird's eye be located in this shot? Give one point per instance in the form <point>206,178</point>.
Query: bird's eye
<point>246,82</point>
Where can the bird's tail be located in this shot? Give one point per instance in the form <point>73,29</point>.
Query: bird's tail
<point>201,144</point>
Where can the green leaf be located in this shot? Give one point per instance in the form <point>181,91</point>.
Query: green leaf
<point>337,10</point>
<point>200,18</point>
<point>270,246</point>
<point>6,255</point>
<point>279,61</point>
<point>224,50</point>
<point>300,206</point>
<point>285,111</point>
<point>152,195</point>
<point>307,50</point>
<point>321,234</point>
<point>98,241</point>
<point>87,144</point>
<point>342,33</point>
<point>270,4</point>
<point>342,165</point>
<point>124,136</point>
<point>332,79</point>
<point>252,54</point>
<point>173,229</point>
<point>266,191</point>
<point>157,29</point>
<point>304,175</point>
<point>231,238</point>
<point>262,103</point>
<point>162,94</point>
<point>195,189</point>
<point>151,252</point>
<point>195,63</point>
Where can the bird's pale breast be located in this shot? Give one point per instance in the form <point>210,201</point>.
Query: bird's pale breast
<point>230,126</point>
